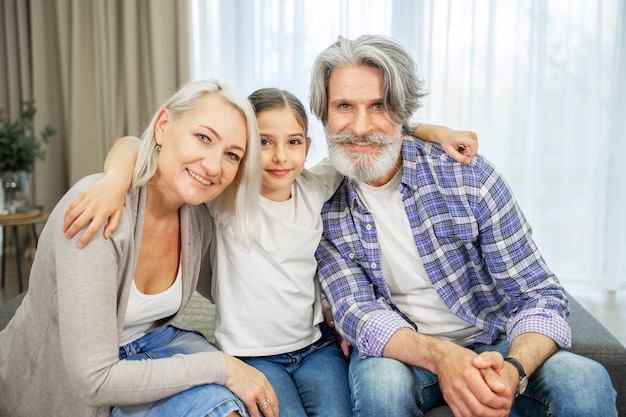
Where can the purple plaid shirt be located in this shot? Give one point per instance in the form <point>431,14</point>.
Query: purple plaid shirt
<point>474,241</point>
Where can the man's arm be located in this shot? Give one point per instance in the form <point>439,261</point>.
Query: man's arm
<point>532,350</point>
<point>537,327</point>
<point>535,298</point>
<point>105,199</point>
<point>349,290</point>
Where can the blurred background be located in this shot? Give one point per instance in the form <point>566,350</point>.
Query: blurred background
<point>542,83</point>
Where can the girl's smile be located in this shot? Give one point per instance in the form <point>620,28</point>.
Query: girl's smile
<point>284,147</point>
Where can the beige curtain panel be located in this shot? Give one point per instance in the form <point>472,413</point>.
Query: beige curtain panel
<point>96,68</point>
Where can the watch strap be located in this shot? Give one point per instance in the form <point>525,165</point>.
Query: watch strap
<point>523,378</point>
<point>517,365</point>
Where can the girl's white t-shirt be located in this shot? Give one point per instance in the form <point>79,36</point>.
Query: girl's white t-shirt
<point>268,299</point>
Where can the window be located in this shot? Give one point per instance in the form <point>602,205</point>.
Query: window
<point>542,83</point>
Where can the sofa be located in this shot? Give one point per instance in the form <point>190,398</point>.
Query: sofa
<point>589,338</point>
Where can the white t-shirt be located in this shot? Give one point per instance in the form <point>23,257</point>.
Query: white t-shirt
<point>267,299</point>
<point>144,309</point>
<point>403,269</point>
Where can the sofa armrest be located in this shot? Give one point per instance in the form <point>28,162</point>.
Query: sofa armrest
<point>8,310</point>
<point>591,339</point>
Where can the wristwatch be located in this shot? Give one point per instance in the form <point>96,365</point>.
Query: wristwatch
<point>523,378</point>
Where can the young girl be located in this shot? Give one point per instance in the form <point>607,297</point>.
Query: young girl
<point>268,308</point>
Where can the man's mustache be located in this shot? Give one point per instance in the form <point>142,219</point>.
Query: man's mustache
<point>376,138</point>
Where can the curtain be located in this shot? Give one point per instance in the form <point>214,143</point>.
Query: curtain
<point>15,80</point>
<point>97,70</point>
<point>543,83</point>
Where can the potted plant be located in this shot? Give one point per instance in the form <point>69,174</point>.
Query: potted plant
<point>20,146</point>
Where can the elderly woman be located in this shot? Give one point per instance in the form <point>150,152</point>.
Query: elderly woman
<point>98,327</point>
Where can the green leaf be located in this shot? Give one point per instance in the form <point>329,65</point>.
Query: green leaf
<point>20,146</point>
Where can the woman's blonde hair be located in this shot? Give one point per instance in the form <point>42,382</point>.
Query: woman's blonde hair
<point>238,205</point>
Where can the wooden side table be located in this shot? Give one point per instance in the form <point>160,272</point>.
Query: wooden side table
<point>14,220</point>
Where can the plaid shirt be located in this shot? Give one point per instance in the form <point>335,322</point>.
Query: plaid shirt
<point>474,241</point>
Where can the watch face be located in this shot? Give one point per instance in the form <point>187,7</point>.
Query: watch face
<point>521,388</point>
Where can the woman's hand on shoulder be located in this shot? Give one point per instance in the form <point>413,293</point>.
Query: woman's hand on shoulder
<point>102,201</point>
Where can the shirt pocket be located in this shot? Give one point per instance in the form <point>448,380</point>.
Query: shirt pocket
<point>458,237</point>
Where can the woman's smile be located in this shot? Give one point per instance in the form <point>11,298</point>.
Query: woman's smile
<point>198,178</point>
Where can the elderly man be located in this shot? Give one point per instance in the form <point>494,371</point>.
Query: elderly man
<point>429,264</point>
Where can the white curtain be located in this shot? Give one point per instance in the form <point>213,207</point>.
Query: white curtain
<point>542,82</point>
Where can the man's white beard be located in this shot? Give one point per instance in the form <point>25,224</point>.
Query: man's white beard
<point>363,166</point>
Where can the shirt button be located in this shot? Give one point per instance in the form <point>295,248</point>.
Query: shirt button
<point>443,157</point>
<point>368,226</point>
<point>351,255</point>
<point>373,265</point>
<point>415,187</point>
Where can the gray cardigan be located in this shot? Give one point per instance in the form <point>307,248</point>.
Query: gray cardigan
<point>59,354</point>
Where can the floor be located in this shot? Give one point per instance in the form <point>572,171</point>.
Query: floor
<point>608,308</point>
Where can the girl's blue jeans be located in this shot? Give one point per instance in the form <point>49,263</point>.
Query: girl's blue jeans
<point>312,381</point>
<point>201,401</point>
<point>566,385</point>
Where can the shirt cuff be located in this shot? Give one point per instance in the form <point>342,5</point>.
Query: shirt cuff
<point>547,322</point>
<point>377,331</point>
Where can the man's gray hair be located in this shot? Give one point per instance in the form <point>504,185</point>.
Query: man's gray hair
<point>402,87</point>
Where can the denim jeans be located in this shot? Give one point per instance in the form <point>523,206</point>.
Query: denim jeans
<point>566,385</point>
<point>201,401</point>
<point>312,381</point>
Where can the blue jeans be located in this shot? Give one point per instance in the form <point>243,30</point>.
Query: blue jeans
<point>201,401</point>
<point>312,381</point>
<point>566,385</point>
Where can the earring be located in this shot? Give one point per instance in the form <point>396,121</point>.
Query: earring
<point>158,148</point>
